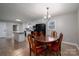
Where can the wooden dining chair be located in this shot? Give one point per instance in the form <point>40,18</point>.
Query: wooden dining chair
<point>36,34</point>
<point>37,50</point>
<point>41,34</point>
<point>54,34</point>
<point>55,47</point>
<point>32,34</point>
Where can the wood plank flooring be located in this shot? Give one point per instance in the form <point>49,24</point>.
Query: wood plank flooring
<point>22,48</point>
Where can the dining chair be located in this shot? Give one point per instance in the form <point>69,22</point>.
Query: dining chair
<point>41,34</point>
<point>36,34</point>
<point>55,47</point>
<point>32,33</point>
<point>54,34</point>
<point>37,50</point>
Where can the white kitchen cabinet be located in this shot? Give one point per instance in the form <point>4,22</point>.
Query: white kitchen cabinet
<point>19,36</point>
<point>3,29</point>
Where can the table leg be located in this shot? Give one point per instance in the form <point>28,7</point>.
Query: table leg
<point>46,49</point>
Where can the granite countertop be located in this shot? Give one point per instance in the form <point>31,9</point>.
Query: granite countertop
<point>18,32</point>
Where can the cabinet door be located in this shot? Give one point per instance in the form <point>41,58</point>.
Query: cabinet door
<point>2,29</point>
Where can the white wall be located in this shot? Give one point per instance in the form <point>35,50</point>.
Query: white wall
<point>67,24</point>
<point>78,26</point>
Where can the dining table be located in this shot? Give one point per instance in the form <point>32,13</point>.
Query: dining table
<point>46,40</point>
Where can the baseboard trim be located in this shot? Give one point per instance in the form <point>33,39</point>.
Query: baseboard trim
<point>74,44</point>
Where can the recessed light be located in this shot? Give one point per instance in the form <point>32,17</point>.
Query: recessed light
<point>18,20</point>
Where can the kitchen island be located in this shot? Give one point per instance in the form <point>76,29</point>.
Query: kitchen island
<point>19,36</point>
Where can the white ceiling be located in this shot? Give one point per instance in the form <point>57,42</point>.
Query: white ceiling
<point>33,11</point>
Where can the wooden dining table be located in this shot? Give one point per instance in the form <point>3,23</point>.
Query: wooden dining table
<point>46,40</point>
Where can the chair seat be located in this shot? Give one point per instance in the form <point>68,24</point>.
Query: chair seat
<point>39,50</point>
<point>55,48</point>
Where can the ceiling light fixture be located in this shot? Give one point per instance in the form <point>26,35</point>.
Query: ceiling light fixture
<point>18,20</point>
<point>48,16</point>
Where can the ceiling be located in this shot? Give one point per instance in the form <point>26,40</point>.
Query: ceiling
<point>33,11</point>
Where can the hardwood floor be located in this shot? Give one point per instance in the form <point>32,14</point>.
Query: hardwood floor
<point>22,49</point>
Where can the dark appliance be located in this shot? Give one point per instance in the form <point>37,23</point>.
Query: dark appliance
<point>40,28</point>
